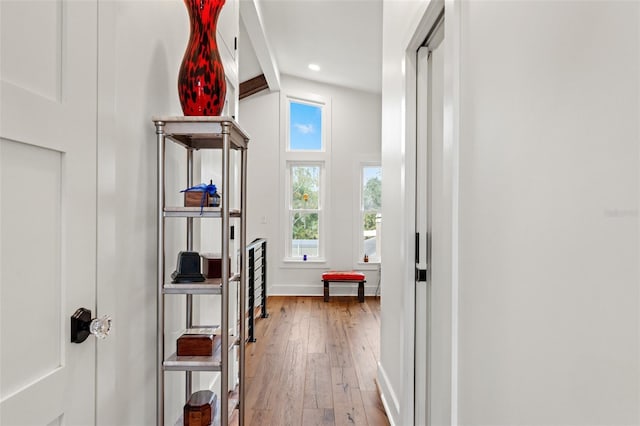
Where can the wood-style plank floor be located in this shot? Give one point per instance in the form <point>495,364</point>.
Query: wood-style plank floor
<point>314,363</point>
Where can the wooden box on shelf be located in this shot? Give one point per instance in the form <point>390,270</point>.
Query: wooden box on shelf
<point>194,199</point>
<point>212,265</point>
<point>200,409</point>
<point>197,342</point>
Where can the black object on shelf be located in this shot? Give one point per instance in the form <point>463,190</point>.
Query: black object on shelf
<point>188,268</point>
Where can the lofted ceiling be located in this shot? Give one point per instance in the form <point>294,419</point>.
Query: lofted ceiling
<point>343,38</point>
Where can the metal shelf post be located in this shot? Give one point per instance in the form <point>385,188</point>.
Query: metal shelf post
<point>194,133</point>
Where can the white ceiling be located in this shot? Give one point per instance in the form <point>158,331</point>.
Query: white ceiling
<point>343,37</point>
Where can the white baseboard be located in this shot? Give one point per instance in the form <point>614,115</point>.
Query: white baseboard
<point>387,395</point>
<point>336,289</point>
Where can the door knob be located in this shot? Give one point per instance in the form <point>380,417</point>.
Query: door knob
<point>82,326</point>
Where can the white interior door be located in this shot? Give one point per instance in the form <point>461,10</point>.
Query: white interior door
<point>431,242</point>
<point>47,209</point>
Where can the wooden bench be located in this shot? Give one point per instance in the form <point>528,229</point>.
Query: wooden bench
<point>344,277</point>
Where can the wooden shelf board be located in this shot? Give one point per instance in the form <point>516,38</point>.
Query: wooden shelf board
<point>200,363</point>
<point>205,132</point>
<point>208,286</point>
<point>196,363</point>
<point>215,212</point>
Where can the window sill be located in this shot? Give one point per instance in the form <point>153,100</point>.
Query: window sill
<point>319,263</point>
<point>368,266</point>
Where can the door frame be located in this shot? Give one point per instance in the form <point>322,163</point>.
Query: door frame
<point>450,167</point>
<point>106,253</point>
<point>424,220</point>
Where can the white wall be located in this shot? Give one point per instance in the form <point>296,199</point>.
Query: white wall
<point>141,45</point>
<point>355,137</point>
<point>259,116</point>
<point>549,146</point>
<point>137,80</point>
<point>548,199</point>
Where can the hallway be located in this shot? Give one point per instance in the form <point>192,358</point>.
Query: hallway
<point>314,363</point>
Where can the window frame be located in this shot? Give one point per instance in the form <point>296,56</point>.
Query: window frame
<point>289,158</point>
<point>290,212</point>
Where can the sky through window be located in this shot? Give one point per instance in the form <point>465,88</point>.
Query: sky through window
<point>305,127</point>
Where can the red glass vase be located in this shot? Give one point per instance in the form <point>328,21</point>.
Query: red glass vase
<point>201,83</point>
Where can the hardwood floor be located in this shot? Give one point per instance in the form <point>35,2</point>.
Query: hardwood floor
<point>315,363</point>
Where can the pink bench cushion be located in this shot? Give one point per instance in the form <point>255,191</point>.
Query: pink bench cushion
<point>342,276</point>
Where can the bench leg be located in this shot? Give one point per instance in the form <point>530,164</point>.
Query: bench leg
<point>361,292</point>
<point>326,291</point>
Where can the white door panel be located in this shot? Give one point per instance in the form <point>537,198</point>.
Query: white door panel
<point>33,59</point>
<point>439,319</point>
<point>47,209</point>
<point>30,264</point>
<point>423,223</point>
<point>30,110</point>
<point>46,391</point>
<point>432,300</point>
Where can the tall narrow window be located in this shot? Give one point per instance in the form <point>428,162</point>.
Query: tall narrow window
<point>371,212</point>
<point>305,168</point>
<point>305,214</point>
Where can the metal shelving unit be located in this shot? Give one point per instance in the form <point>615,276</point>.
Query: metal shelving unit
<point>194,133</point>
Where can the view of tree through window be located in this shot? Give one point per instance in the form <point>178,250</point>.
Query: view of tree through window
<point>305,193</point>
<point>371,211</point>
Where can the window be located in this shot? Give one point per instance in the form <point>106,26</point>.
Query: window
<point>305,126</point>
<point>306,151</point>
<point>370,212</point>
<point>304,211</point>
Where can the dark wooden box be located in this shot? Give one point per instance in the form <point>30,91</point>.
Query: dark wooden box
<point>194,199</point>
<point>200,409</point>
<point>196,342</point>
<point>212,265</point>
